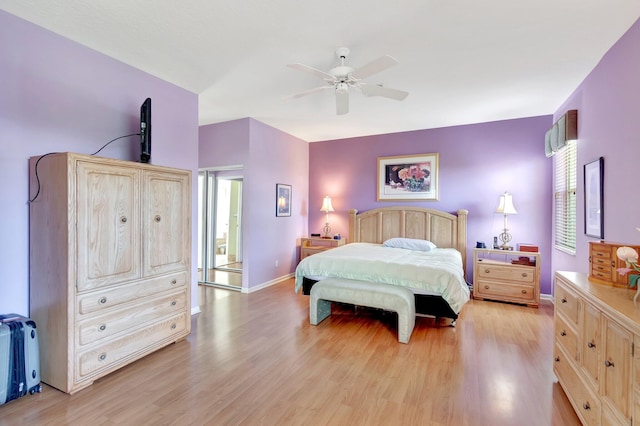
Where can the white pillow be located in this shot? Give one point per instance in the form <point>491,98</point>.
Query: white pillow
<point>410,244</point>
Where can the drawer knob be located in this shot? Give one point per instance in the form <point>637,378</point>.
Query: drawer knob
<point>173,326</point>
<point>102,300</point>
<point>524,291</point>
<point>608,363</point>
<point>564,300</point>
<point>524,275</point>
<point>123,219</point>
<point>586,406</point>
<point>173,303</point>
<point>591,345</point>
<point>157,218</point>
<point>174,281</point>
<point>486,287</point>
<point>557,359</point>
<point>102,327</point>
<point>563,333</point>
<point>486,271</point>
<point>102,356</point>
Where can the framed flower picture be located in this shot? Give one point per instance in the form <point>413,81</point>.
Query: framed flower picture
<point>408,178</point>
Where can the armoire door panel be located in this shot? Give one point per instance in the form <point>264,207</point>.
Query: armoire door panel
<point>108,225</point>
<point>167,222</point>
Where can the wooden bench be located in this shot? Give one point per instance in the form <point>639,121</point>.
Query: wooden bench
<point>374,295</point>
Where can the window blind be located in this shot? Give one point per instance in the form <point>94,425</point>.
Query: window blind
<point>565,178</point>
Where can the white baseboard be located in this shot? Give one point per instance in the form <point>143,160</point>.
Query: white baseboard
<point>267,284</point>
<point>195,310</point>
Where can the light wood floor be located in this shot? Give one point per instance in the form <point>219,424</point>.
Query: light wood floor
<point>254,359</point>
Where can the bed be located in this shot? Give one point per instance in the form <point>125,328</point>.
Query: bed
<point>437,293</point>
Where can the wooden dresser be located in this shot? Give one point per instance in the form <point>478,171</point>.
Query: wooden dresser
<point>597,329</point>
<point>110,248</point>
<point>495,277</point>
<point>603,263</point>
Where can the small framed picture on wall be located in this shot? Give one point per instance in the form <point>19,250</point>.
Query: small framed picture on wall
<point>283,200</point>
<point>594,198</point>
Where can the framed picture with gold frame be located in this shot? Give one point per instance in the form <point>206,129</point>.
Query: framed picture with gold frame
<point>408,178</point>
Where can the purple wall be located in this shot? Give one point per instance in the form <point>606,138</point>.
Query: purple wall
<point>477,164</point>
<point>609,126</point>
<point>56,95</point>
<point>268,157</point>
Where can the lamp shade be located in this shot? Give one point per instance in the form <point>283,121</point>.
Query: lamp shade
<point>506,205</point>
<point>326,205</point>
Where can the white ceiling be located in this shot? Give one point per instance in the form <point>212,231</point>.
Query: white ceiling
<point>462,61</point>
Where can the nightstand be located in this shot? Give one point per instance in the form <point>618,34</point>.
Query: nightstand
<point>309,246</point>
<point>508,276</point>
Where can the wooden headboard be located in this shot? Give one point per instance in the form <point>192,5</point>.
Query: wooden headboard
<point>444,229</point>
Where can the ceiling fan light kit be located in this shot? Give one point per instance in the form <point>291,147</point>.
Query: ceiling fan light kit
<point>341,77</point>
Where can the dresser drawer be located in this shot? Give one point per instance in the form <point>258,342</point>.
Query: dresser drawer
<point>506,291</point>
<point>116,321</point>
<point>566,337</point>
<point>566,303</point>
<point>506,272</point>
<point>130,347</point>
<point>585,402</point>
<point>103,299</point>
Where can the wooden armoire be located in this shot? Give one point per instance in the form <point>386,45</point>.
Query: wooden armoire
<point>110,259</point>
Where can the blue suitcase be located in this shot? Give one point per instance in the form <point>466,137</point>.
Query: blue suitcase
<point>19,357</point>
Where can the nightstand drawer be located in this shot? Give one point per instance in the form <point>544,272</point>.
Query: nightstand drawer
<point>505,272</point>
<point>506,291</point>
<point>309,251</point>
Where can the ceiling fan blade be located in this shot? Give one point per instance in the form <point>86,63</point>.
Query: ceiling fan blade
<point>306,92</point>
<point>342,102</point>
<point>374,67</point>
<point>306,68</point>
<point>375,90</point>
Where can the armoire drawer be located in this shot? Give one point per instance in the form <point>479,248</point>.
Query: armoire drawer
<point>130,347</point>
<point>116,321</point>
<point>103,299</point>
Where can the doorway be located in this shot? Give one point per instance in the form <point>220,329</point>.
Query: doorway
<point>220,228</point>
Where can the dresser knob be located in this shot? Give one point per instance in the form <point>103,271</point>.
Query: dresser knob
<point>102,300</point>
<point>157,218</point>
<point>174,281</point>
<point>563,333</point>
<point>486,271</point>
<point>123,219</point>
<point>173,326</point>
<point>102,327</point>
<point>564,300</point>
<point>173,303</point>
<point>102,356</point>
<point>486,287</point>
<point>608,363</point>
<point>591,345</point>
<point>586,406</point>
<point>524,275</point>
<point>557,359</point>
<point>524,291</point>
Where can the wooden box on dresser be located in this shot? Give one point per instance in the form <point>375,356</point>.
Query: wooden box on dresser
<point>597,328</point>
<point>604,263</point>
<point>110,249</point>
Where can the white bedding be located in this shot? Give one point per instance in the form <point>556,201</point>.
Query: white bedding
<point>437,272</point>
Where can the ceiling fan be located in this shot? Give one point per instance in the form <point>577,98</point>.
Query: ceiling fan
<point>342,77</point>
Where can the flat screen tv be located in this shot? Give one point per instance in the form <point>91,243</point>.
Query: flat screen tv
<point>145,131</point>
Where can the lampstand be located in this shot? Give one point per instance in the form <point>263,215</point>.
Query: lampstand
<point>326,207</point>
<point>506,208</point>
